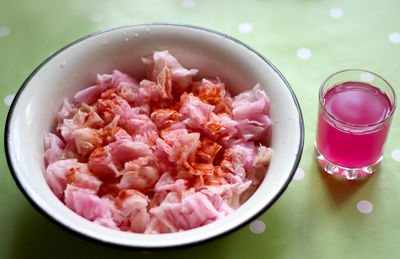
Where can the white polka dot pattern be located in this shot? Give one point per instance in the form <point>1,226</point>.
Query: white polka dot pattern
<point>245,27</point>
<point>188,4</point>
<point>396,155</point>
<point>257,227</point>
<point>4,31</point>
<point>97,17</point>
<point>299,174</point>
<point>303,53</point>
<point>336,13</point>
<point>365,207</point>
<point>9,99</point>
<point>394,37</point>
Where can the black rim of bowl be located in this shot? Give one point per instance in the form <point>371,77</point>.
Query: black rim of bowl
<point>53,219</point>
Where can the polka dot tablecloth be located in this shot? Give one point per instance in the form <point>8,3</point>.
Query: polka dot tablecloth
<point>318,216</point>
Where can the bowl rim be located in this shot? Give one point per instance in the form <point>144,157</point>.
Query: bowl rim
<point>114,244</point>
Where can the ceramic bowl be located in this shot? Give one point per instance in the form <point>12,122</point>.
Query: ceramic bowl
<point>75,66</point>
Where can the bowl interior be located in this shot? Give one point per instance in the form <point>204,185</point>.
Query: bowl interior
<point>75,67</point>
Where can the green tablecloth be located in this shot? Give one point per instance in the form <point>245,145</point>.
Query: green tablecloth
<point>307,40</point>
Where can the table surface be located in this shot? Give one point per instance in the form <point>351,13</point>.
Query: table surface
<point>307,40</point>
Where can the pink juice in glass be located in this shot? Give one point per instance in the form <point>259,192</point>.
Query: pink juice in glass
<point>353,126</point>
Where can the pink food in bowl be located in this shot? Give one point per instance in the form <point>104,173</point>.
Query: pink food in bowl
<point>166,154</point>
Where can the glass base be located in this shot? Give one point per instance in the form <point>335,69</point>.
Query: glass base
<point>348,173</point>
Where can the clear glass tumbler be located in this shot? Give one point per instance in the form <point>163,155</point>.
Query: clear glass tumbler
<point>355,112</point>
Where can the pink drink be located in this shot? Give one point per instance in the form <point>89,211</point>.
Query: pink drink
<point>352,129</point>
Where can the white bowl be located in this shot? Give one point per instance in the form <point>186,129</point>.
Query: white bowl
<point>75,66</point>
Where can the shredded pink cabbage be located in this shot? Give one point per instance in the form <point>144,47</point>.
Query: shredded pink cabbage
<point>162,155</point>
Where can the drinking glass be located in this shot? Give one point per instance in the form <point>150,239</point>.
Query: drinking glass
<point>355,112</point>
